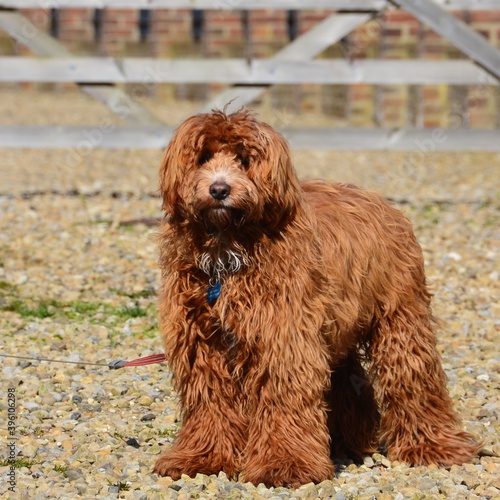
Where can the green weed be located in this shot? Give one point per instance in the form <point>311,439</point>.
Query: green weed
<point>44,309</point>
<point>19,463</point>
<point>121,486</point>
<point>6,287</point>
<point>169,433</point>
<point>132,312</point>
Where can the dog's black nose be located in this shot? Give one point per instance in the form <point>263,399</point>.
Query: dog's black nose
<point>220,190</point>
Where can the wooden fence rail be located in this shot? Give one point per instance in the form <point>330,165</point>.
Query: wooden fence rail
<point>85,138</point>
<point>231,71</point>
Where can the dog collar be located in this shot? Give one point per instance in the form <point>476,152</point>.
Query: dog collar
<point>213,293</point>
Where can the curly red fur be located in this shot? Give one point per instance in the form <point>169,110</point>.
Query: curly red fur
<point>321,341</point>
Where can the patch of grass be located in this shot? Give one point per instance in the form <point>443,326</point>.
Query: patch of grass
<point>121,486</point>
<point>151,332</point>
<point>6,287</point>
<point>85,307</point>
<point>76,310</point>
<point>170,433</point>
<point>48,308</point>
<point>44,309</point>
<point>15,306</point>
<point>19,463</point>
<point>60,468</point>
<point>432,212</point>
<point>132,312</point>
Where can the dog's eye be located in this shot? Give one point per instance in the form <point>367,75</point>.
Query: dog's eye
<point>242,156</point>
<point>204,157</point>
<point>244,161</point>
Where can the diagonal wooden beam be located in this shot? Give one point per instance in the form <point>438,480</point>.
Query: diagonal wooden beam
<point>40,43</point>
<point>456,31</point>
<point>303,48</point>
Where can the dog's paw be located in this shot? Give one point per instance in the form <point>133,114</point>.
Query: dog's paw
<point>174,463</point>
<point>289,473</point>
<point>444,451</point>
<point>166,466</point>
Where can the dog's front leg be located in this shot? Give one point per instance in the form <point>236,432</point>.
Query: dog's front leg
<point>288,442</point>
<point>213,432</point>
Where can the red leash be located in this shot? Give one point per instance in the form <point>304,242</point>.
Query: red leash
<point>146,360</point>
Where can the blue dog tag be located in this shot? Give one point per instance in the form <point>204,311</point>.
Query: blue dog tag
<point>213,293</point>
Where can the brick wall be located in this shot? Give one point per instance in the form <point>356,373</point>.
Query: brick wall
<point>394,34</point>
<point>76,30</point>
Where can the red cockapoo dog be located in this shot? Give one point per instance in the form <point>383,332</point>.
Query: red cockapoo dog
<point>295,316</point>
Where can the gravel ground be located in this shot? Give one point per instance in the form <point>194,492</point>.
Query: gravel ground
<point>78,282</point>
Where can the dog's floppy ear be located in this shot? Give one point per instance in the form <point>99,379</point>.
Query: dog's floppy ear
<point>179,156</point>
<point>168,178</point>
<point>280,181</point>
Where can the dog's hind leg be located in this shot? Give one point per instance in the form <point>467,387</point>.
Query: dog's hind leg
<point>418,423</point>
<point>353,416</point>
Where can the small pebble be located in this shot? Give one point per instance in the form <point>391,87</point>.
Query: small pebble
<point>31,405</point>
<point>133,442</point>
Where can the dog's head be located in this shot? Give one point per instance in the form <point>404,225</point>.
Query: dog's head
<point>228,171</point>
